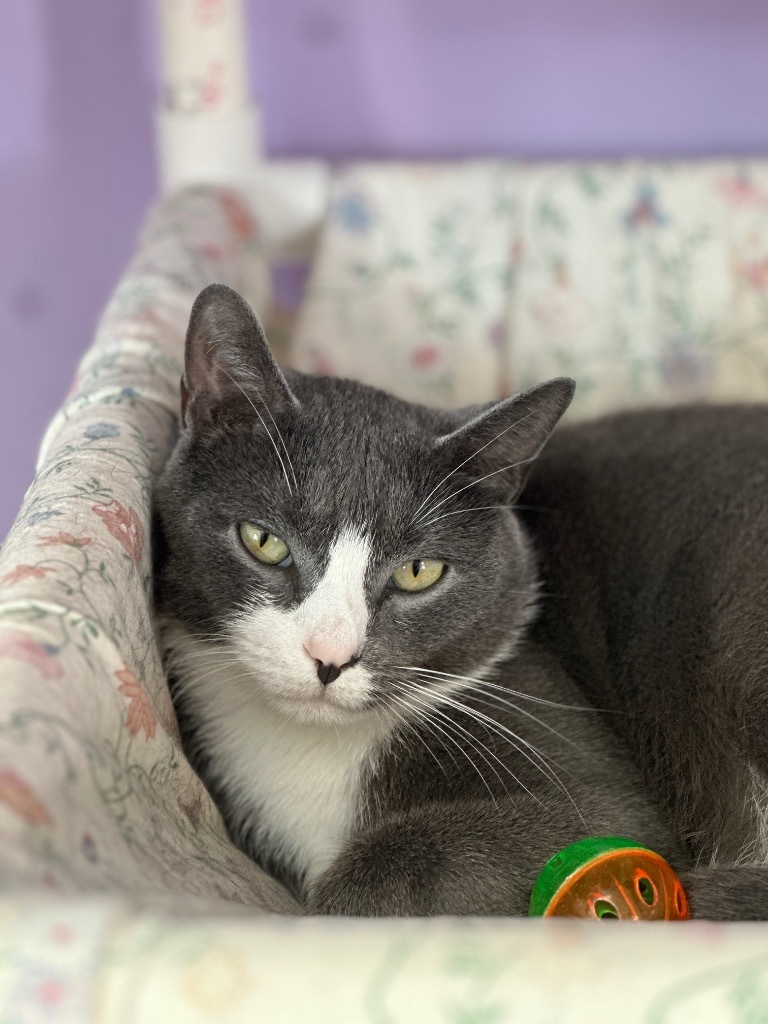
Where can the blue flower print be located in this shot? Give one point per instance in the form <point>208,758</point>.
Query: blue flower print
<point>98,431</point>
<point>40,517</point>
<point>645,210</point>
<point>353,212</point>
<point>684,365</point>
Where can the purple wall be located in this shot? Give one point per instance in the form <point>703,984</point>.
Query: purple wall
<point>411,77</point>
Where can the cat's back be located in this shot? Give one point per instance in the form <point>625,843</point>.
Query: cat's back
<point>652,529</point>
<point>692,450</point>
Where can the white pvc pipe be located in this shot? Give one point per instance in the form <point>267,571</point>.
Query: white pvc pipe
<point>204,63</point>
<point>207,126</point>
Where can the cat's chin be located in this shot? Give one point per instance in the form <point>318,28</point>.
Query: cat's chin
<point>319,710</point>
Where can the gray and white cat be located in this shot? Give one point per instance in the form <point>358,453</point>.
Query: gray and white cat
<point>346,595</point>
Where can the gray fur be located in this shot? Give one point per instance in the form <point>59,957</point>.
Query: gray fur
<point>653,527</point>
<point>453,816</point>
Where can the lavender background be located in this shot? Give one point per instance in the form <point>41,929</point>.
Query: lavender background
<point>337,77</point>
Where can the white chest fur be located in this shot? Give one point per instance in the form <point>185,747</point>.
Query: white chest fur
<point>297,784</point>
<point>301,782</point>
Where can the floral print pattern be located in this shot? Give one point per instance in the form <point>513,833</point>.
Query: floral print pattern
<point>94,790</point>
<point>124,525</point>
<point>647,282</point>
<point>104,961</point>
<point>140,716</point>
<point>19,796</point>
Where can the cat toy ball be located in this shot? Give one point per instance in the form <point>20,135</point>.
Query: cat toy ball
<point>609,878</point>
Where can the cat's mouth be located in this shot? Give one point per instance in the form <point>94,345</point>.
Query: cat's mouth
<point>319,708</point>
<point>342,701</point>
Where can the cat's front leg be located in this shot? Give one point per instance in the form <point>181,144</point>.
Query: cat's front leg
<point>462,858</point>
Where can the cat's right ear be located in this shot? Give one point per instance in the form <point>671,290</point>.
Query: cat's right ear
<point>228,368</point>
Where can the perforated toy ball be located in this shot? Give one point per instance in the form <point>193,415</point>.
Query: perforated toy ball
<point>609,878</point>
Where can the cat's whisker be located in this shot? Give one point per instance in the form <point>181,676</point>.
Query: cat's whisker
<point>514,740</point>
<point>482,749</point>
<point>494,686</point>
<point>484,508</point>
<point>465,511</point>
<point>468,459</point>
<point>496,726</point>
<point>426,722</point>
<point>491,700</point>
<point>478,691</point>
<point>532,508</point>
<point>424,711</point>
<point>427,718</point>
<point>202,676</point>
<point>282,442</point>
<point>459,705</point>
<point>423,718</point>
<point>475,690</point>
<point>218,659</point>
<point>540,760</point>
<point>263,423</point>
<point>433,708</point>
<point>403,722</point>
<point>472,483</point>
<point>213,670</point>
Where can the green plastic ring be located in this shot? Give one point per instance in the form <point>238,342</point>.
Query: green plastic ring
<point>560,867</point>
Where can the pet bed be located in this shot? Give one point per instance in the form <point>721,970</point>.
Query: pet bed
<point>122,898</point>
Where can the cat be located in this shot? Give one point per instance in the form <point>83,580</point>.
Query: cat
<point>345,594</point>
<point>652,529</point>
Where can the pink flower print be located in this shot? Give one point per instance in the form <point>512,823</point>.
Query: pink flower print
<point>25,572</point>
<point>140,714</point>
<point>51,992</point>
<point>740,191</point>
<point>497,335</point>
<point>560,311</point>
<point>561,274</point>
<point>124,525</point>
<point>64,538</point>
<point>756,274</point>
<point>212,86</point>
<point>212,253</point>
<point>146,323</point>
<point>63,934</point>
<point>41,657</point>
<point>239,216</point>
<point>320,363</point>
<point>517,252</point>
<point>19,796</point>
<point>425,356</point>
<point>209,11</point>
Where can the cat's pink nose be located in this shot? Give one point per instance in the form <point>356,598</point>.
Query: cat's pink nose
<point>331,655</point>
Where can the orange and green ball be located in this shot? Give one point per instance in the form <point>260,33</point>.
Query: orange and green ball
<point>609,878</point>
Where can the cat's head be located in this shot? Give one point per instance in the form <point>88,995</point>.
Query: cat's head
<point>343,552</point>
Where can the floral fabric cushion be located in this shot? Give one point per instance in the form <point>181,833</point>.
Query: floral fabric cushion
<point>447,285</point>
<point>94,790</point>
<point>451,284</point>
<point>108,962</point>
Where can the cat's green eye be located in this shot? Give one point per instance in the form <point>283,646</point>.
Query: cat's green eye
<point>418,574</point>
<point>265,546</point>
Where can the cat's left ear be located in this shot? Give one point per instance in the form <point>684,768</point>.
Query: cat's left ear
<point>499,442</point>
<point>228,367</point>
